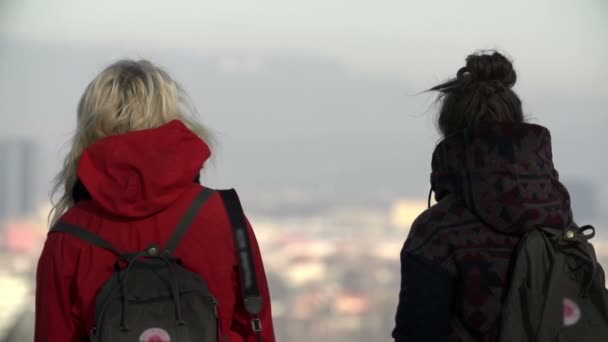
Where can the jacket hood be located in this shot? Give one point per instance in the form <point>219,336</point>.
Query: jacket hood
<point>140,173</point>
<point>505,175</point>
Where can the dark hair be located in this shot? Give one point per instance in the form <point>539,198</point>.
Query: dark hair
<point>480,93</point>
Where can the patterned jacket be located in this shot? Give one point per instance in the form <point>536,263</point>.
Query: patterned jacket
<point>492,184</point>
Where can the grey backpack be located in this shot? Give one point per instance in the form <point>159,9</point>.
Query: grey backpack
<point>556,290</point>
<point>152,297</point>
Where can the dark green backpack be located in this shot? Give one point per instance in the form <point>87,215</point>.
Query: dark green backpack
<point>557,289</point>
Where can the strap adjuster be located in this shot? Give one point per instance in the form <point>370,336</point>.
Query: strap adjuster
<point>256,325</point>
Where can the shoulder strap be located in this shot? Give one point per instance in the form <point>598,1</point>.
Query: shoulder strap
<point>86,235</point>
<point>174,240</point>
<point>183,226</point>
<point>462,332</point>
<point>249,282</point>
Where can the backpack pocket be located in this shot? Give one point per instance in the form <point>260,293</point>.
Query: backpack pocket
<point>584,332</point>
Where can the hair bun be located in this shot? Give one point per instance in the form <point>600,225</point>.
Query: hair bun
<point>484,67</point>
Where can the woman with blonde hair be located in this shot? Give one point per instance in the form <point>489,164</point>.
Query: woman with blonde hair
<point>129,178</point>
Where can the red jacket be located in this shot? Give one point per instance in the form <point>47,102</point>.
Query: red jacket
<point>137,187</point>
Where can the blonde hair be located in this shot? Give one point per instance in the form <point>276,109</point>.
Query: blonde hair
<point>127,96</point>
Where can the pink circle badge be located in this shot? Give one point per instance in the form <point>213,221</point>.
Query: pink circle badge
<point>155,335</point>
<point>572,312</point>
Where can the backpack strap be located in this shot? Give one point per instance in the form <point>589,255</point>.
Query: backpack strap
<point>86,235</point>
<point>461,331</point>
<point>183,226</point>
<point>249,282</point>
<point>174,240</point>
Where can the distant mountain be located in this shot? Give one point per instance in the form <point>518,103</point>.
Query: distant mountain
<point>282,121</point>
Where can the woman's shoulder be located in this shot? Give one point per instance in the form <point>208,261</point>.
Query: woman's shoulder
<point>434,229</point>
<point>447,213</point>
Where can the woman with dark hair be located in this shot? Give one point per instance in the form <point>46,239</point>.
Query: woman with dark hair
<point>494,180</point>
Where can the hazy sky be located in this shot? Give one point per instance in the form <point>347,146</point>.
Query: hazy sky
<point>557,43</point>
<point>313,93</point>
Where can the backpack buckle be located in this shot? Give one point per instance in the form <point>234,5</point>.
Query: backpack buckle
<point>256,325</point>
<point>153,250</point>
<point>570,234</point>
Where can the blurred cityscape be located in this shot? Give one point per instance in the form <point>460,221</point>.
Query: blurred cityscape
<point>332,260</point>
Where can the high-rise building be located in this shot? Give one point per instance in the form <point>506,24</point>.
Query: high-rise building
<point>18,178</point>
